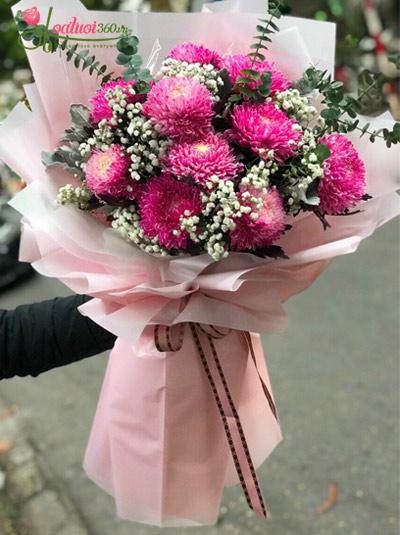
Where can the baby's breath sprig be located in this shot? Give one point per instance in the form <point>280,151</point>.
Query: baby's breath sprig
<point>206,74</point>
<point>79,196</point>
<point>126,222</point>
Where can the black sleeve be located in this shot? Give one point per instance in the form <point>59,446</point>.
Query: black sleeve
<point>36,338</point>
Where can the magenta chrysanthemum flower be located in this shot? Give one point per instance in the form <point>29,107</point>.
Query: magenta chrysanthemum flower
<point>263,127</point>
<point>181,107</point>
<point>236,63</point>
<point>107,174</point>
<point>252,234</point>
<point>163,204</point>
<point>200,160</point>
<point>193,53</point>
<point>343,183</point>
<point>100,108</point>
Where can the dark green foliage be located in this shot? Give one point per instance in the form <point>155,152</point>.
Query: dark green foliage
<point>132,62</point>
<point>322,152</point>
<point>341,110</point>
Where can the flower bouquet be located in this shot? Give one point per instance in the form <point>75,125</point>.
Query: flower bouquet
<point>190,197</point>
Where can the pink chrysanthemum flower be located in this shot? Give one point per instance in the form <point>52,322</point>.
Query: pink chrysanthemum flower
<point>202,159</point>
<point>181,107</point>
<point>252,234</point>
<point>193,53</point>
<point>236,63</point>
<point>107,174</point>
<point>163,204</point>
<point>343,183</point>
<point>100,108</point>
<point>263,127</point>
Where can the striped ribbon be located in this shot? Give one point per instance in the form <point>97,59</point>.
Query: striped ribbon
<point>204,336</point>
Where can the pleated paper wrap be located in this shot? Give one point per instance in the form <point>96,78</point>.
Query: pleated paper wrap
<point>158,444</point>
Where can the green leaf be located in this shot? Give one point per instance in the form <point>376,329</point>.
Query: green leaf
<point>107,78</point>
<point>262,38</point>
<point>71,52</point>
<point>135,61</point>
<point>310,196</point>
<point>364,129</point>
<point>145,76</point>
<point>274,26</point>
<point>94,67</point>
<point>244,80</point>
<point>64,44</point>
<point>47,158</point>
<point>331,114</point>
<point>123,59</point>
<point>65,157</point>
<point>235,98</point>
<point>245,90</point>
<point>80,115</point>
<point>251,73</point>
<point>128,45</point>
<point>87,62</point>
<point>322,152</point>
<point>257,55</point>
<point>142,87</point>
<point>129,75</point>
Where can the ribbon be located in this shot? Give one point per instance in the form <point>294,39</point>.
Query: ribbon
<point>171,339</point>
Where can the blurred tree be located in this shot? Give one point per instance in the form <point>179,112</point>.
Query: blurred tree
<point>350,16</point>
<point>12,54</point>
<point>160,5</point>
<point>170,5</point>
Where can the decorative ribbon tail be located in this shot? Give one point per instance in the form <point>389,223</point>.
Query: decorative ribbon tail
<point>171,339</point>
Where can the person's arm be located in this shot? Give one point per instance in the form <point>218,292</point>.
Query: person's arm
<point>37,338</point>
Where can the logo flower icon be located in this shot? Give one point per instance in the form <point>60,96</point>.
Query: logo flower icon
<point>31,16</point>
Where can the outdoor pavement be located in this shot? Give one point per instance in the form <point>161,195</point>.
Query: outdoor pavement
<point>335,378</point>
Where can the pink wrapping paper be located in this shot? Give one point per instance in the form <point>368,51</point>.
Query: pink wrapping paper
<point>157,443</point>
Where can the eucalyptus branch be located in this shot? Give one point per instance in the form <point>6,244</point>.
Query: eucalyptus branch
<point>338,105</point>
<point>265,30</point>
<point>83,61</point>
<point>132,62</point>
<point>252,85</point>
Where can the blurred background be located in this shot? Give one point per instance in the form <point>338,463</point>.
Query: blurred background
<point>336,382</point>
